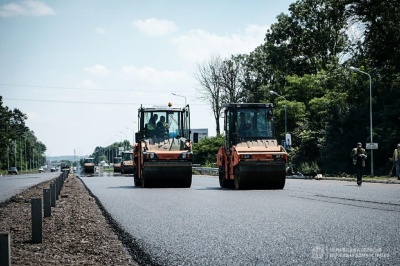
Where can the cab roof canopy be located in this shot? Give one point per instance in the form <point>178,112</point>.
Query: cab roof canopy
<point>249,105</point>
<point>161,108</point>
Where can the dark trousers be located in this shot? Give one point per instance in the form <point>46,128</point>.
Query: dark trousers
<point>360,172</point>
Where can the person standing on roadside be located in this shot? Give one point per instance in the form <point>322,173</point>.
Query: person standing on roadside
<point>359,155</point>
<point>396,160</point>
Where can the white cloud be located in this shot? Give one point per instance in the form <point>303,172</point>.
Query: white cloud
<point>100,31</point>
<point>86,84</point>
<point>150,75</point>
<point>198,44</point>
<point>33,116</point>
<point>155,27</point>
<point>98,70</point>
<point>26,8</point>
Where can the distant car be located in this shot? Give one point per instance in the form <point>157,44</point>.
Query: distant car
<point>13,170</point>
<point>41,170</point>
<point>53,169</point>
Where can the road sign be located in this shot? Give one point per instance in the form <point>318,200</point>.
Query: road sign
<point>371,146</point>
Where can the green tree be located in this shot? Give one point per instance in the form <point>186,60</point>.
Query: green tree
<point>206,149</point>
<point>310,38</point>
<point>377,52</point>
<point>231,74</point>
<point>263,72</point>
<point>21,147</point>
<point>305,58</point>
<point>378,21</point>
<point>299,60</point>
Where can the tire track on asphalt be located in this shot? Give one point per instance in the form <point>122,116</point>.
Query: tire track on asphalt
<point>383,206</point>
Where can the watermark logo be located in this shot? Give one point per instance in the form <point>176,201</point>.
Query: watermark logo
<point>319,252</point>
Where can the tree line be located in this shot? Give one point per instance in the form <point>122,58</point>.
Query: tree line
<point>20,147</point>
<point>306,58</point>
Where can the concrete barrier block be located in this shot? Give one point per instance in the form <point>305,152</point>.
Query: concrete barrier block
<point>36,211</point>
<point>5,249</point>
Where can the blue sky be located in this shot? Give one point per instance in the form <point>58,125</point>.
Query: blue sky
<point>81,69</point>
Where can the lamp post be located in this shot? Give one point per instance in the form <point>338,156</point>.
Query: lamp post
<point>133,134</point>
<point>20,153</point>
<point>273,92</point>
<point>122,136</point>
<point>8,156</point>
<point>370,112</point>
<point>179,96</point>
<point>15,153</point>
<point>26,165</point>
<point>111,150</point>
<point>33,158</point>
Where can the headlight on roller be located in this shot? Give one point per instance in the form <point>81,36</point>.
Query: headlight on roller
<point>185,156</point>
<point>279,157</point>
<point>150,155</point>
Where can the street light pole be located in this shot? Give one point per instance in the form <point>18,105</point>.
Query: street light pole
<point>122,136</point>
<point>8,155</point>
<point>26,165</point>
<point>179,96</point>
<point>370,112</point>
<point>20,153</point>
<point>15,153</point>
<point>273,92</point>
<point>133,134</point>
<point>33,158</point>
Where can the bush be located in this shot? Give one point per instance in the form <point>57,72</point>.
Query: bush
<point>205,151</point>
<point>309,169</point>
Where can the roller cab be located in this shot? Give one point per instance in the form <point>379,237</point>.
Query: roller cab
<point>127,165</point>
<point>251,157</point>
<point>162,154</point>
<point>117,164</point>
<point>88,166</point>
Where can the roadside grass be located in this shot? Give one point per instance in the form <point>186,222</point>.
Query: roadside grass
<point>110,169</point>
<point>379,178</point>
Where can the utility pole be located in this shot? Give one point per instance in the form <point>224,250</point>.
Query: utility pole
<point>20,153</point>
<point>15,153</point>
<point>26,165</point>
<point>8,156</point>
<point>370,113</point>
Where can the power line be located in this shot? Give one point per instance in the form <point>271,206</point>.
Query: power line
<point>62,101</point>
<point>87,89</point>
<point>75,102</point>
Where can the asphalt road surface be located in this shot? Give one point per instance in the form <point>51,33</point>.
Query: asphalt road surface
<point>309,222</point>
<point>10,185</point>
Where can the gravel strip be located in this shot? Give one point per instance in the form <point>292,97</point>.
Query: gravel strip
<point>76,233</point>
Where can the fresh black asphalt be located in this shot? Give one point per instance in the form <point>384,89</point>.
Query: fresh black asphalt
<point>310,222</point>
